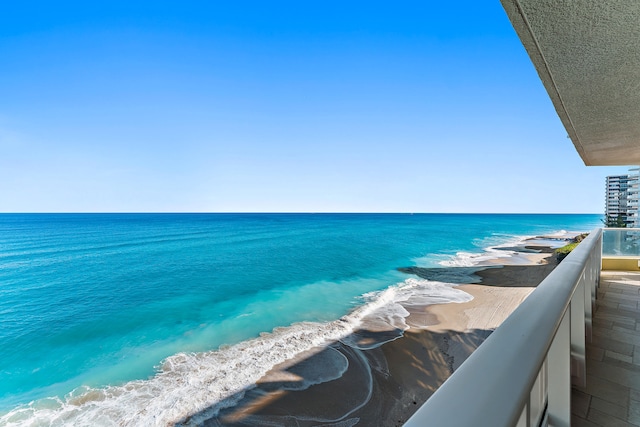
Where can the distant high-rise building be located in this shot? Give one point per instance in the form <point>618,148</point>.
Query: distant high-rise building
<point>622,199</point>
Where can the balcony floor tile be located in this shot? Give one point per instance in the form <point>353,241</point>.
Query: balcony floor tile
<point>612,395</point>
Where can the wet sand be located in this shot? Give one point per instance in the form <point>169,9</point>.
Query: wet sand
<point>344,386</point>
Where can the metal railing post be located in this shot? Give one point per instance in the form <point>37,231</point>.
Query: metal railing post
<point>558,358</point>
<point>578,345</point>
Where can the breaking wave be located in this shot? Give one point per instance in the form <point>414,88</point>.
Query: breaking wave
<point>189,388</point>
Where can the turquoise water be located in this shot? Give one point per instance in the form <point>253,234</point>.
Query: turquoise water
<point>97,300</point>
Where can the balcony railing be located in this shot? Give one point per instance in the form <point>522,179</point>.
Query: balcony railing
<point>522,374</point>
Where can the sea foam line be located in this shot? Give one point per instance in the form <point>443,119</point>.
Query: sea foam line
<point>192,387</point>
<point>490,253</point>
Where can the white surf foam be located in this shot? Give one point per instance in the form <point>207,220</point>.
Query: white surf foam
<point>470,259</point>
<point>192,387</point>
<point>502,250</point>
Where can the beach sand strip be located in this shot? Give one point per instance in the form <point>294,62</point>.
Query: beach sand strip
<point>384,386</point>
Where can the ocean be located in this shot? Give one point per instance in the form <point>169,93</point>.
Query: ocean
<point>144,319</point>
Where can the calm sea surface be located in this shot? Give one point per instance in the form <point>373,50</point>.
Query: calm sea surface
<point>107,303</point>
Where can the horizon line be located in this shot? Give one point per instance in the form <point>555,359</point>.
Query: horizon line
<point>289,213</point>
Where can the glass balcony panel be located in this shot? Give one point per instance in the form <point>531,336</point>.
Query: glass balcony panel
<point>621,242</point>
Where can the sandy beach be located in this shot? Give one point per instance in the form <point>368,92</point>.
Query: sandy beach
<point>343,386</point>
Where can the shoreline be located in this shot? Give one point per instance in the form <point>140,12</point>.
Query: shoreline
<point>388,356</point>
<point>386,384</point>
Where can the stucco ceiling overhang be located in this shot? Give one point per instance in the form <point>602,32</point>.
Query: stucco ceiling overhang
<point>587,54</point>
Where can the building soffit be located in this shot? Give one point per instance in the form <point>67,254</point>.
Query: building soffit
<point>587,54</point>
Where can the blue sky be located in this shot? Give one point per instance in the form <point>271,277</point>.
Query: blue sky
<point>325,106</point>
